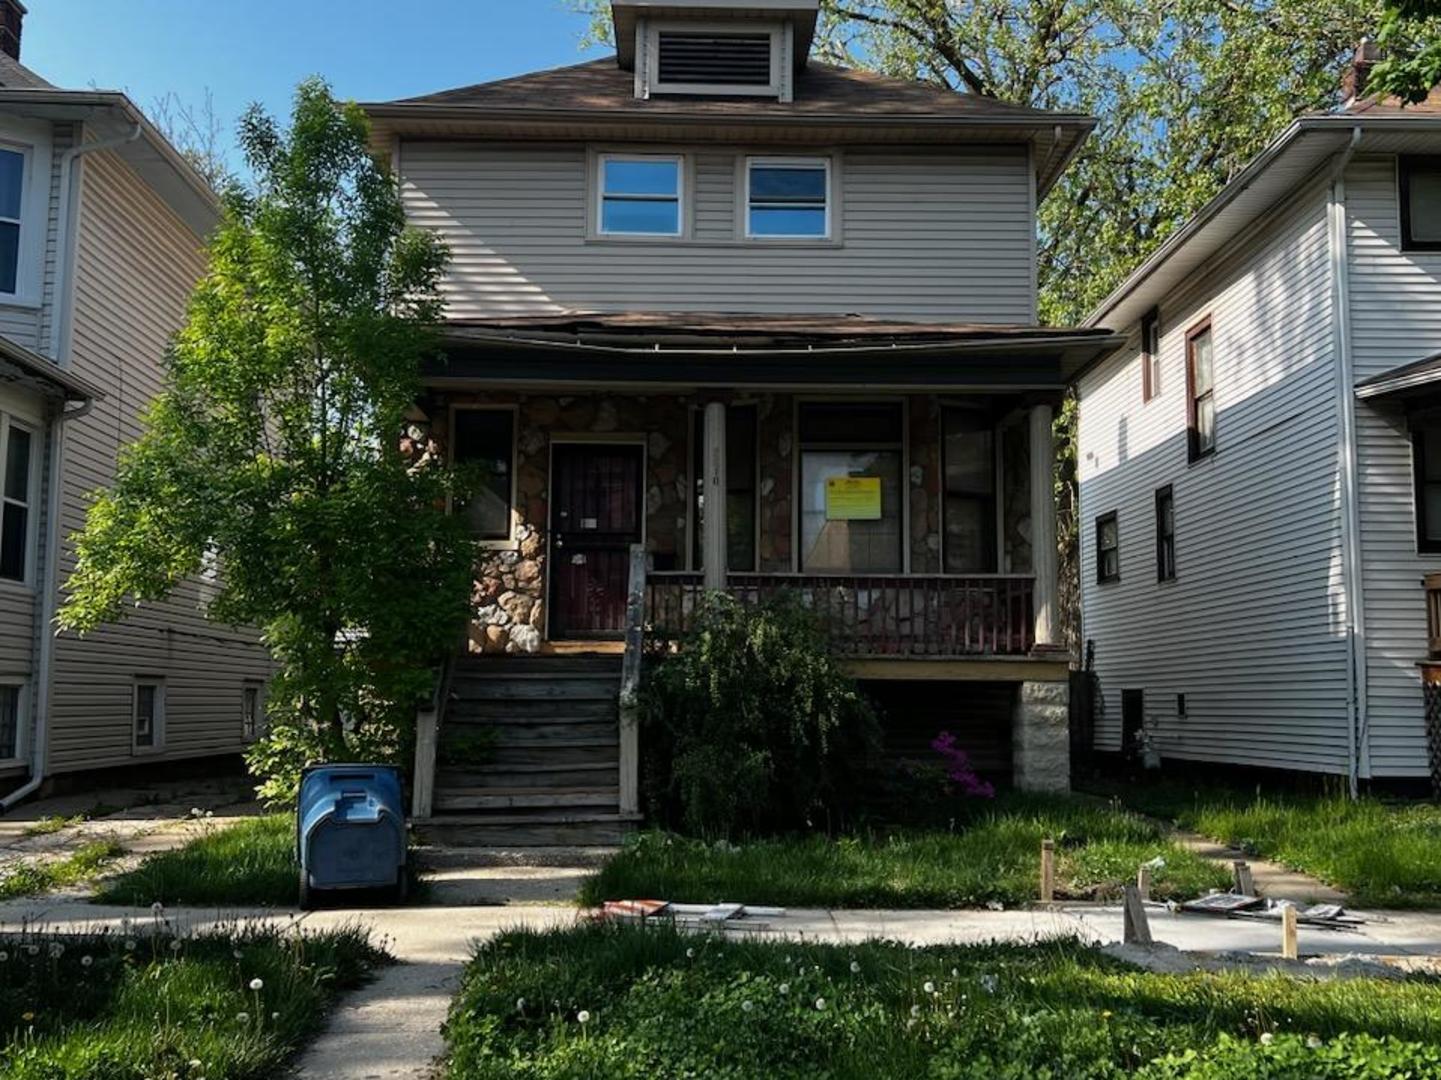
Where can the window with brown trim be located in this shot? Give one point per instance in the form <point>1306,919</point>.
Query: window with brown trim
<point>1150,355</point>
<point>1108,548</point>
<point>1165,534</point>
<point>1200,391</point>
<point>1419,180</point>
<point>1426,451</point>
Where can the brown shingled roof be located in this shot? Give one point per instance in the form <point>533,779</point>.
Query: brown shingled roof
<point>821,90</point>
<point>1393,106</point>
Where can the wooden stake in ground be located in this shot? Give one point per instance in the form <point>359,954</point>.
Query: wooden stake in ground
<point>1048,871</point>
<point>1143,881</point>
<point>1245,884</point>
<point>1290,947</point>
<point>1135,928</point>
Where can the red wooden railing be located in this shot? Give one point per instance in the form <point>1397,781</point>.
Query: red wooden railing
<point>876,615</point>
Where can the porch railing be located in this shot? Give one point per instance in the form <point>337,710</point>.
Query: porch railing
<point>938,615</point>
<point>1432,584</point>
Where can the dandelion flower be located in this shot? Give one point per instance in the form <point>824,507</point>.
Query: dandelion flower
<point>855,967</point>
<point>86,961</point>
<point>583,1016</point>
<point>1267,1038</point>
<point>820,1004</point>
<point>243,1017</point>
<point>130,946</point>
<point>746,1006</point>
<point>785,988</point>
<point>1313,1042</point>
<point>33,950</point>
<point>787,960</point>
<point>520,1004</point>
<point>56,950</point>
<point>915,1010</point>
<point>175,945</point>
<point>4,956</point>
<point>156,908</point>
<point>257,984</point>
<point>238,954</point>
<point>690,954</point>
<point>195,1063</point>
<point>275,1016</point>
<point>929,987</point>
<point>27,1016</point>
<point>955,973</point>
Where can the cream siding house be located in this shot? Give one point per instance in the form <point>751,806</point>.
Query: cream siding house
<point>108,223</point>
<point>723,317</point>
<point>1258,440</point>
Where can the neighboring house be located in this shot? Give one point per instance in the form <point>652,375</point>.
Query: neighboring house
<point>711,272</point>
<point>101,229</point>
<point>1259,466</point>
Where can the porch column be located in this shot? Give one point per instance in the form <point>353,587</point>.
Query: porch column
<point>1045,559</point>
<point>713,530</point>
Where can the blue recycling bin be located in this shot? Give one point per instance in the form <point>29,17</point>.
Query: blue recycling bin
<point>350,829</point>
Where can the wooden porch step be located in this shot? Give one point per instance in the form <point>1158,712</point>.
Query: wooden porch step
<point>531,688</point>
<point>523,717</point>
<point>598,732</point>
<point>532,798</point>
<point>535,829</point>
<point>537,666</point>
<point>486,708</point>
<point>553,755</point>
<point>541,774</point>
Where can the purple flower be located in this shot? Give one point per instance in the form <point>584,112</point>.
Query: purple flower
<point>959,771</point>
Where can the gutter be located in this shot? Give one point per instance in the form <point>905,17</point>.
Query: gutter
<point>60,327</point>
<point>1347,466</point>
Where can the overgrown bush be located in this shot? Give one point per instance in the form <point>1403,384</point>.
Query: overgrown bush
<point>753,726</point>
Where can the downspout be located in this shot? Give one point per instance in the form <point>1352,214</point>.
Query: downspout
<point>59,344</point>
<point>1350,481</point>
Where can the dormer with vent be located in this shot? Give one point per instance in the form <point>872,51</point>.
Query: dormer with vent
<point>717,48</point>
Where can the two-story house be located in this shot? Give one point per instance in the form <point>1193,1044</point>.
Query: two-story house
<point>1259,465</point>
<point>775,322</point>
<point>102,225</point>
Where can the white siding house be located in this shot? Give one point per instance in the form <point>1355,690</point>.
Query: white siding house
<point>1289,635</point>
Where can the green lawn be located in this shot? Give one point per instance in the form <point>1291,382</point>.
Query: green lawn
<point>251,862</point>
<point>993,857</point>
<point>33,876</point>
<point>112,1007</point>
<point>1382,854</point>
<point>623,1002</point>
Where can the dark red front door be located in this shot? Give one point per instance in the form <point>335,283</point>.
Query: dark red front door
<point>595,516</point>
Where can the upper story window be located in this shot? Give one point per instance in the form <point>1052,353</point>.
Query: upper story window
<point>641,195</point>
<point>1420,192</point>
<point>18,469</point>
<point>1150,355</point>
<point>1201,395</point>
<point>788,199</point>
<point>12,201</point>
<point>1165,534</point>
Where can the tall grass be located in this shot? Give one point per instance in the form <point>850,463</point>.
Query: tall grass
<point>1382,854</point>
<point>993,857</point>
<point>623,1002</point>
<point>116,1006</point>
<point>251,862</point>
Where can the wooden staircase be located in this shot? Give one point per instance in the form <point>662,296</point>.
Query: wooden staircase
<point>529,754</point>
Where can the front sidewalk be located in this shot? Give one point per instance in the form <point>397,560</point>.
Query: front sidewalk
<point>391,1029</point>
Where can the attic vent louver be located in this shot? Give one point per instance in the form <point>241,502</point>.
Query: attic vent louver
<point>701,59</point>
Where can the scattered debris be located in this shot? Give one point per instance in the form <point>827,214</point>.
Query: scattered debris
<point>725,916</point>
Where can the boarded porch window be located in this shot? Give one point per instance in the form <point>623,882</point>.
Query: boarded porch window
<point>969,513</point>
<point>483,445</point>
<point>1426,448</point>
<point>852,459</point>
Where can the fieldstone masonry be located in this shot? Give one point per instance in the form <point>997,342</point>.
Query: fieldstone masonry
<point>1041,737</point>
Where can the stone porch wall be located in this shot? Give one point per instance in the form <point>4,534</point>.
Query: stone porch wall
<point>509,596</point>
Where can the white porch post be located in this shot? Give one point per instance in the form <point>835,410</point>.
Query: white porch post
<point>713,531</point>
<point>1045,559</point>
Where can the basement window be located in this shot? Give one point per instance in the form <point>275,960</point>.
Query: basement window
<point>11,695</point>
<point>148,715</point>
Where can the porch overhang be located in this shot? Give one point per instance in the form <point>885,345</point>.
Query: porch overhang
<point>1407,384</point>
<point>684,351</point>
<point>31,371</point>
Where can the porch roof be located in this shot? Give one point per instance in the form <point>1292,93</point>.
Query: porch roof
<point>1420,378</point>
<point>21,367</point>
<point>764,350</point>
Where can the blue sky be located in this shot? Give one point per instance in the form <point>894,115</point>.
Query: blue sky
<point>257,50</point>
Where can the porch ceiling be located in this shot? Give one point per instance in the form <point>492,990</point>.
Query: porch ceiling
<point>686,350</point>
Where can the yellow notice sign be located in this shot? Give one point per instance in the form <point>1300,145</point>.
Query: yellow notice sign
<point>853,498</point>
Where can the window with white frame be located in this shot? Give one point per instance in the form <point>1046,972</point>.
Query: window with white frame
<point>251,711</point>
<point>788,199</point>
<point>641,195</point>
<point>148,715</point>
<point>18,471</point>
<point>12,203</point>
<point>12,698</point>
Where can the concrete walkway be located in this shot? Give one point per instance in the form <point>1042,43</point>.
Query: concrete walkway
<point>390,1030</point>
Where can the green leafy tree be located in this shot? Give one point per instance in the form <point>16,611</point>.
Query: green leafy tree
<point>1410,40</point>
<point>276,459</point>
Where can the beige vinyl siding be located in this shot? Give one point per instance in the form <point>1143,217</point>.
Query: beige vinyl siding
<point>922,236</point>
<point>1252,629</point>
<point>135,266</point>
<point>1395,319</point>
